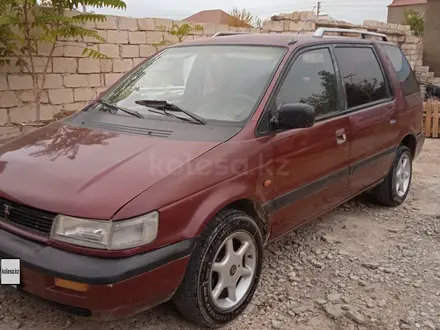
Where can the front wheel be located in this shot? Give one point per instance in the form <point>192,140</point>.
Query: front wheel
<point>394,189</point>
<point>223,272</point>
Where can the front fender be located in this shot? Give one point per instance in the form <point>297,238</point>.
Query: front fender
<point>186,218</point>
<point>191,196</point>
<point>200,209</point>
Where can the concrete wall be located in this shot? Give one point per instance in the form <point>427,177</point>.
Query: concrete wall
<point>396,15</point>
<point>431,53</point>
<point>74,80</point>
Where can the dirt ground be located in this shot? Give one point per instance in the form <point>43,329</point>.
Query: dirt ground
<point>360,267</point>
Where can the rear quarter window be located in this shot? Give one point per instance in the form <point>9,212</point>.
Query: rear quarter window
<point>404,72</point>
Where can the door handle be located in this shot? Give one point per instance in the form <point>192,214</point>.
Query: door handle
<point>341,136</point>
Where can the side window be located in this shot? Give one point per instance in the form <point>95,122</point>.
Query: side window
<point>311,80</point>
<point>404,72</point>
<point>363,78</point>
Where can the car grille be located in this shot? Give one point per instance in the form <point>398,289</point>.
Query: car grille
<point>26,217</point>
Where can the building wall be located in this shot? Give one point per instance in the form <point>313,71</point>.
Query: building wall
<point>74,80</point>
<point>396,15</point>
<point>431,51</point>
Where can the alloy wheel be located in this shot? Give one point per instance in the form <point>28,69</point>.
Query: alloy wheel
<point>403,175</point>
<point>233,270</point>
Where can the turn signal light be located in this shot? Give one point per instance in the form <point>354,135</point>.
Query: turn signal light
<point>74,286</point>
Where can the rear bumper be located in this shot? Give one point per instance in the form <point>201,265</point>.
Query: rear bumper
<point>420,142</point>
<point>116,287</point>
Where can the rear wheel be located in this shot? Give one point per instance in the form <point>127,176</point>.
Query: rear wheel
<point>394,189</point>
<point>223,272</point>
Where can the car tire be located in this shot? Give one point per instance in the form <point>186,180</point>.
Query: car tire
<point>220,259</point>
<point>396,185</point>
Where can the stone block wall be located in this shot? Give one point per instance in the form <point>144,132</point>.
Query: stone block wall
<point>73,80</point>
<point>401,35</point>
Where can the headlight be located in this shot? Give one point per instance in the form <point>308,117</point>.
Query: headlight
<point>109,235</point>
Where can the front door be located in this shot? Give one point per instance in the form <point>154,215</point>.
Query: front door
<point>372,115</point>
<point>311,164</point>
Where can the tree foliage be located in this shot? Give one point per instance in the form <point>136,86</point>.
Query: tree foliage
<point>243,18</point>
<point>363,92</point>
<point>415,21</point>
<point>26,25</point>
<point>360,92</point>
<point>327,101</point>
<point>66,141</point>
<point>183,31</point>
<point>257,23</point>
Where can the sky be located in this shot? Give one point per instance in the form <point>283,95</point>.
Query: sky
<point>354,11</point>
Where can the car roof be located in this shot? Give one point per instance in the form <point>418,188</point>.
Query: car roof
<point>273,39</point>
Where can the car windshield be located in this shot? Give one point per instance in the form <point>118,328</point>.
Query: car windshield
<point>216,83</point>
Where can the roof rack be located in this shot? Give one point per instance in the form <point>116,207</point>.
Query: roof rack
<point>319,33</point>
<point>222,34</point>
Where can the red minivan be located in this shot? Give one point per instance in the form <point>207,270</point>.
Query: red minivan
<point>171,183</point>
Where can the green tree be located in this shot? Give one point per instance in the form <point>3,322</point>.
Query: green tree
<point>183,31</point>
<point>180,31</point>
<point>415,21</point>
<point>25,26</point>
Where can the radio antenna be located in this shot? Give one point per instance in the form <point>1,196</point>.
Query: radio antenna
<point>304,23</point>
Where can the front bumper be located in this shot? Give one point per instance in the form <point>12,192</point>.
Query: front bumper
<point>116,287</point>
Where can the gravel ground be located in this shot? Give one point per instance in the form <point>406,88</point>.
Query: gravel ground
<point>360,267</point>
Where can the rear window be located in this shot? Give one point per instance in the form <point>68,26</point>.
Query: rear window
<point>406,76</point>
<point>363,78</point>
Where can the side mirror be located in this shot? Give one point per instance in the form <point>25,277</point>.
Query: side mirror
<point>294,115</point>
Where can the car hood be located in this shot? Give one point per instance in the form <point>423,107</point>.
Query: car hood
<point>88,172</point>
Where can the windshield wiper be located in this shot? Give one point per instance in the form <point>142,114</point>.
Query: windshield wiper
<point>130,112</point>
<point>164,105</point>
<point>168,114</point>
